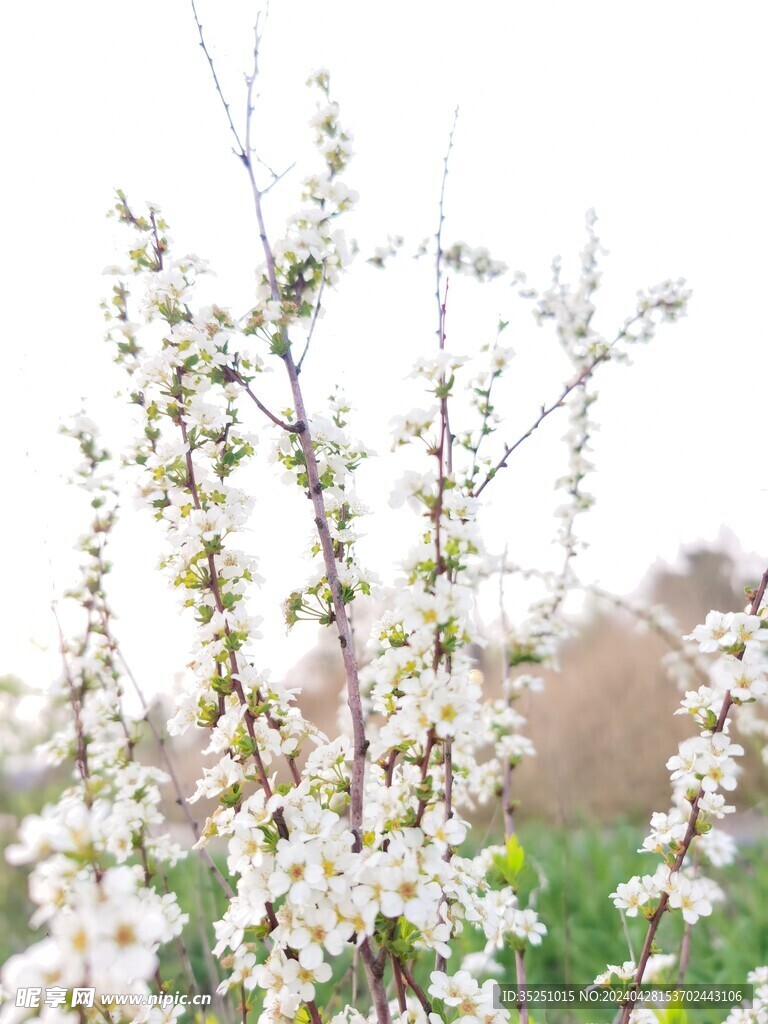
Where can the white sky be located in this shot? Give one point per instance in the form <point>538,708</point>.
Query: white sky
<point>651,112</point>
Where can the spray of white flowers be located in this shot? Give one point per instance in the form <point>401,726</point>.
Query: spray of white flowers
<point>348,849</point>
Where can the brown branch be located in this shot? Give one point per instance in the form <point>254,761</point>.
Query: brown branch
<point>231,374</point>
<point>422,805</point>
<point>348,655</point>
<point>417,990</point>
<point>321,522</point>
<point>375,985</point>
<point>399,986</point>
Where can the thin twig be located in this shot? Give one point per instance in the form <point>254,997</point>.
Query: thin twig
<point>315,316</point>
<point>627,936</point>
<point>231,374</point>
<point>275,177</point>
<point>582,378</point>
<point>545,411</point>
<point>439,234</point>
<point>417,990</point>
<point>240,151</point>
<point>685,953</point>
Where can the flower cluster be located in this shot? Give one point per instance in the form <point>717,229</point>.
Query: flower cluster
<point>312,252</point>
<point>97,850</point>
<point>474,261</point>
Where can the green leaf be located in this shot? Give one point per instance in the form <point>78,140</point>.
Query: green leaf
<point>510,864</point>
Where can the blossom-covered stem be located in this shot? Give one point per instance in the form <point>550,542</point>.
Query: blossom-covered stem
<point>346,641</point>
<point>216,591</point>
<point>445,465</point>
<point>213,582</point>
<point>693,818</point>
<point>141,847</point>
<point>244,153</point>
<point>483,431</point>
<point>99,609</point>
<point>603,355</point>
<point>440,960</point>
<point>316,494</point>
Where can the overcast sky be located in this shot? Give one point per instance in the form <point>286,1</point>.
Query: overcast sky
<point>652,113</point>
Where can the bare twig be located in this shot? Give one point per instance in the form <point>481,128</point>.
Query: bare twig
<point>439,235</point>
<point>627,936</point>
<point>240,151</point>
<point>275,177</point>
<point>545,411</point>
<point>315,315</point>
<point>585,374</point>
<point>181,800</point>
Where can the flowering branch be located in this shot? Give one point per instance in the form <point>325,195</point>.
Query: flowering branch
<point>708,763</point>
<point>665,302</point>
